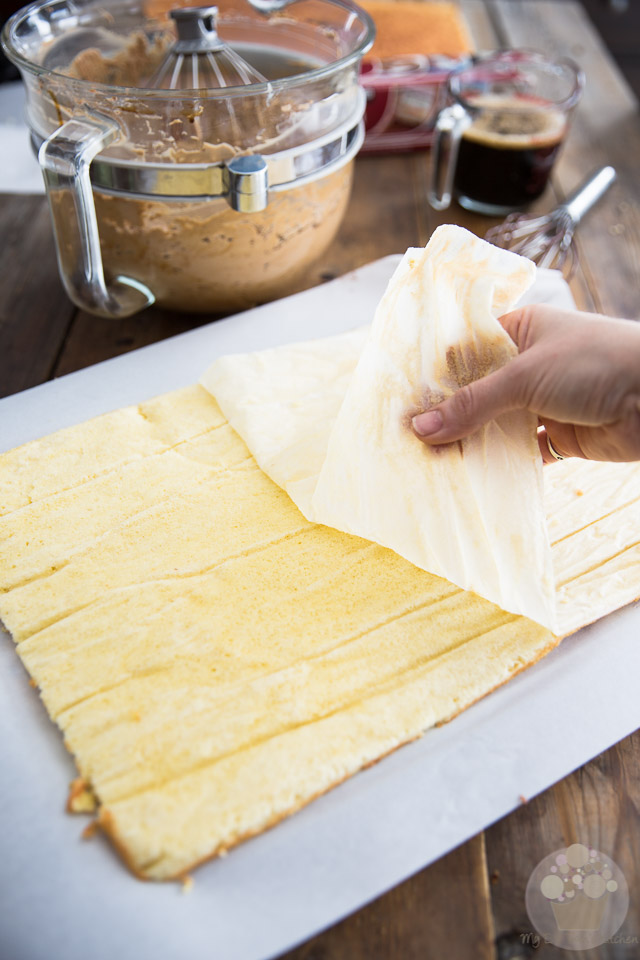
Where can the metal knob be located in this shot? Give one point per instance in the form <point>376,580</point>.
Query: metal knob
<point>197,29</point>
<point>247,183</point>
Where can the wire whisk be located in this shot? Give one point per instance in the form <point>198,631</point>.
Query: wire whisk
<point>548,239</point>
<point>200,59</point>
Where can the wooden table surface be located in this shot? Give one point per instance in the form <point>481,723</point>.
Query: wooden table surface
<point>470,904</point>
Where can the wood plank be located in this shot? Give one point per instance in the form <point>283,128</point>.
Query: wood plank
<point>606,129</point>
<point>94,339</point>
<point>599,804</point>
<point>620,28</point>
<point>35,313</point>
<point>441,912</point>
<point>480,25</point>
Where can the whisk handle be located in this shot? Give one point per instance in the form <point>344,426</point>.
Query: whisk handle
<point>589,193</point>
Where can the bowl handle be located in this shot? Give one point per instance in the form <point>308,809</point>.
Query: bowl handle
<point>450,125</point>
<point>65,158</point>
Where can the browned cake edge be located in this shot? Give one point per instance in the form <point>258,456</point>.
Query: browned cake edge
<point>106,823</point>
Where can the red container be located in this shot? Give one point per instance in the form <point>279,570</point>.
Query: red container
<point>404,96</point>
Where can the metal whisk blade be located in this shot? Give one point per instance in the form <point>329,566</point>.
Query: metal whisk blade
<point>548,240</point>
<point>200,59</point>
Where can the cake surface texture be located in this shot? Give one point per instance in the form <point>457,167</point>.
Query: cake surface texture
<point>407,27</point>
<point>214,660</point>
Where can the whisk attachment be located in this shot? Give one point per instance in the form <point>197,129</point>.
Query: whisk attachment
<point>200,59</point>
<point>548,240</point>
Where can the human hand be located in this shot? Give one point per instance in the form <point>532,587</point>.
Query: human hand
<point>579,372</point>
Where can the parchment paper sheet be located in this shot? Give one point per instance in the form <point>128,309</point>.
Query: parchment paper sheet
<point>66,899</point>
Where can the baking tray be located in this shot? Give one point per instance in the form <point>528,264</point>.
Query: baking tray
<point>68,899</point>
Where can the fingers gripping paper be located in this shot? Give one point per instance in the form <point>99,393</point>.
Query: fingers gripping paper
<point>356,465</point>
<point>456,511</point>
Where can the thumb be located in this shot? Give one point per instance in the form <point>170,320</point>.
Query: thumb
<point>471,406</point>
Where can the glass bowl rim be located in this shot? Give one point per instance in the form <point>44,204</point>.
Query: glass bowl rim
<point>203,94</point>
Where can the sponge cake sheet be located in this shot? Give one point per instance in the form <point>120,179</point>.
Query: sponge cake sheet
<point>213,659</point>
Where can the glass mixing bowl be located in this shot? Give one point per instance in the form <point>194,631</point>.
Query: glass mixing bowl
<point>205,199</point>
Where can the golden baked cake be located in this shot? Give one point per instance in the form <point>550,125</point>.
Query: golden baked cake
<point>213,660</point>
<point>214,656</point>
<point>417,26</point>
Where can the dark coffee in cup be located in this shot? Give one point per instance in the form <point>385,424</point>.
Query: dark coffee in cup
<point>506,154</point>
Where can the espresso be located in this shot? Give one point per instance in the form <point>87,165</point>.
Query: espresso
<point>507,152</point>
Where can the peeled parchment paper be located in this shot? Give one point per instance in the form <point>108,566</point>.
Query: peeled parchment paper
<point>329,421</point>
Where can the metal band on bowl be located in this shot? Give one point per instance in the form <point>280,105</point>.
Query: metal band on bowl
<point>244,181</point>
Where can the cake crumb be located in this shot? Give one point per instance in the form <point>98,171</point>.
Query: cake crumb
<point>187,884</point>
<point>32,682</point>
<point>81,798</point>
<point>522,798</point>
<point>579,493</point>
<point>90,830</point>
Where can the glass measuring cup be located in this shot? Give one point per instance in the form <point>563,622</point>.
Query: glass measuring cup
<point>496,143</point>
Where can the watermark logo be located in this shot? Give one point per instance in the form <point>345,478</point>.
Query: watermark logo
<point>577,897</point>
